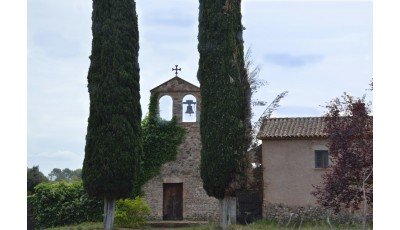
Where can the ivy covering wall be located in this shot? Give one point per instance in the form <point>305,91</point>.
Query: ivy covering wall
<point>161,140</point>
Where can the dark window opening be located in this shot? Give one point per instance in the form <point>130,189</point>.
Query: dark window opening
<point>321,159</point>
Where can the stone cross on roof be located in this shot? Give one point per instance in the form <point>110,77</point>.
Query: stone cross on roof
<point>176,70</point>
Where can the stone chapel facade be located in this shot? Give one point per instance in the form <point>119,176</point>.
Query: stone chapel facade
<point>177,192</point>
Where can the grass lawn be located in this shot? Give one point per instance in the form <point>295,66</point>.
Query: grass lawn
<point>305,226</point>
<point>83,226</point>
<point>257,226</point>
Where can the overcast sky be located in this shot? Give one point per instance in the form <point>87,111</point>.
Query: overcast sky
<point>314,49</point>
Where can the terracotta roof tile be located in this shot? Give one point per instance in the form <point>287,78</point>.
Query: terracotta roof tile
<point>292,127</point>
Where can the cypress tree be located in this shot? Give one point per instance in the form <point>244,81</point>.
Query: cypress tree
<point>113,141</point>
<point>222,77</point>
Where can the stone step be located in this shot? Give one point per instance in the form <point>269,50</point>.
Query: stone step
<point>175,223</point>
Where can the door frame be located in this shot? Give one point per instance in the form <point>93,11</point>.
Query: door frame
<point>179,189</point>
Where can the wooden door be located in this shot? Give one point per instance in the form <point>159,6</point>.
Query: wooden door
<point>172,201</point>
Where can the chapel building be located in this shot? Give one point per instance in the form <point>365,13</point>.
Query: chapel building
<point>177,192</point>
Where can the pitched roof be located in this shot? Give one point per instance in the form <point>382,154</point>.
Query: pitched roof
<point>176,84</point>
<point>292,127</point>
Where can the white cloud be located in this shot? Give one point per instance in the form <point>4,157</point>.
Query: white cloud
<point>60,154</point>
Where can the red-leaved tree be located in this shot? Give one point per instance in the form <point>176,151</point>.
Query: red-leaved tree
<point>348,181</point>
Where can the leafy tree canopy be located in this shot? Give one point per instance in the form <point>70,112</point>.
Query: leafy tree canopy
<point>34,177</point>
<point>350,141</point>
<point>66,174</point>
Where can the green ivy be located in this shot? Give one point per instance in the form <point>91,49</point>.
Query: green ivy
<point>161,139</point>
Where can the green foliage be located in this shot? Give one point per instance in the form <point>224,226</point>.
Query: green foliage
<point>63,203</point>
<point>222,75</point>
<point>34,177</point>
<point>113,141</point>
<point>66,174</point>
<point>160,143</point>
<point>131,213</point>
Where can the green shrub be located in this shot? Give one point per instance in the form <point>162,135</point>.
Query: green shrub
<point>131,213</point>
<point>63,203</point>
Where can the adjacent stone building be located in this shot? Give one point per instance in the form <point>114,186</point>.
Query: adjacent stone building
<point>294,157</point>
<point>177,193</point>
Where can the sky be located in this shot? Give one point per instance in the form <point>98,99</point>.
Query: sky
<point>316,50</point>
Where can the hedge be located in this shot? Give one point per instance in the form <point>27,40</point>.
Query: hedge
<point>63,203</point>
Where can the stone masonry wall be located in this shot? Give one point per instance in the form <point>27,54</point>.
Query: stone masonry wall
<point>197,205</point>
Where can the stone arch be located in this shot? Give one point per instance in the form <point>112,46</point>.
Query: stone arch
<point>165,105</point>
<point>187,103</point>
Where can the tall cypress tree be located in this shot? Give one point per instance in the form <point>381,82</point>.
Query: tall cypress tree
<point>221,75</point>
<point>113,140</point>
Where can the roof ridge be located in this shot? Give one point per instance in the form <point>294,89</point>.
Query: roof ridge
<point>277,118</point>
<point>175,78</point>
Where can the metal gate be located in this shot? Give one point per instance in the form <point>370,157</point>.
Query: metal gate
<point>249,206</point>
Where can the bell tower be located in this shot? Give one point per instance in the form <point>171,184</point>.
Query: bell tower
<point>185,99</point>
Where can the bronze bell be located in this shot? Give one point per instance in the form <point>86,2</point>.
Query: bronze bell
<point>189,108</point>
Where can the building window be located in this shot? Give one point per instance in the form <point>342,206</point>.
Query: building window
<point>321,159</point>
<point>165,107</point>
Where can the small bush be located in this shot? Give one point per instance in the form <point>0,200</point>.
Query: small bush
<point>131,213</point>
<point>63,203</point>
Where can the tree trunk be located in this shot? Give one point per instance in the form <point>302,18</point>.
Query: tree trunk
<point>364,222</point>
<point>109,207</point>
<point>228,211</point>
<point>365,208</point>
